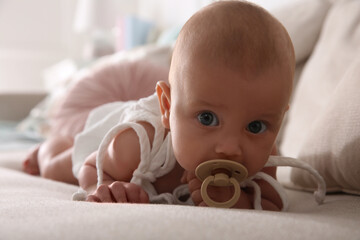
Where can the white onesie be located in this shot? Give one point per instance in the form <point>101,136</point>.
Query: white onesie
<point>106,121</point>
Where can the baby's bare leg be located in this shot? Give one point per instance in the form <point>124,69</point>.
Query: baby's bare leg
<point>30,164</point>
<point>54,159</point>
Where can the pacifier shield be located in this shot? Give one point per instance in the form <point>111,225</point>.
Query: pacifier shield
<point>233,169</point>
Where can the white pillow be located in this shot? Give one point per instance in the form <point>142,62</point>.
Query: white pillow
<point>333,147</point>
<point>334,52</point>
<point>324,119</point>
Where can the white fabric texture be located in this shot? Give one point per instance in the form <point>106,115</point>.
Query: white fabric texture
<point>335,51</point>
<point>36,208</point>
<point>333,148</point>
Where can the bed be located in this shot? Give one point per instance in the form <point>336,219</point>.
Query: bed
<point>322,128</point>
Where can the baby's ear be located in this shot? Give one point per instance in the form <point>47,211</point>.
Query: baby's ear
<point>163,93</point>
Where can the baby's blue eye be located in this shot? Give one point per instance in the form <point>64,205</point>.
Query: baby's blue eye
<point>256,127</point>
<point>208,119</point>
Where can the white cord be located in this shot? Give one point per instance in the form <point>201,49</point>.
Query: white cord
<point>292,162</point>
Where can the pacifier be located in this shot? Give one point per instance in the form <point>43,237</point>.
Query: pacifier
<point>221,173</point>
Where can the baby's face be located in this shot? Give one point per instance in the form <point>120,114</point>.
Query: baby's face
<point>217,113</point>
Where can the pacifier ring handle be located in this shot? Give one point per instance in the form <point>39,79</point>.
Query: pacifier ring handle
<point>227,204</point>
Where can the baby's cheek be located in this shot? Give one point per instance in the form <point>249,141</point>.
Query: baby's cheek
<point>257,164</point>
<point>187,161</point>
<point>262,154</point>
<point>187,158</point>
<point>182,156</point>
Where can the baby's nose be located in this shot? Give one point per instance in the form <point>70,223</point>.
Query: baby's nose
<point>229,147</point>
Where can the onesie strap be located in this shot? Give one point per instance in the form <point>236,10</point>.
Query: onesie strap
<point>319,194</point>
<point>283,161</point>
<point>275,184</point>
<point>143,139</point>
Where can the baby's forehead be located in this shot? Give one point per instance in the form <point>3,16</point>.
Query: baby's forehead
<point>204,81</point>
<point>235,33</point>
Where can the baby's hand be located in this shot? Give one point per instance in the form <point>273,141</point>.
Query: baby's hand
<point>194,188</point>
<point>119,192</point>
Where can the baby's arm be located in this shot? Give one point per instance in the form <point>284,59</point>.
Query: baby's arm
<point>122,158</point>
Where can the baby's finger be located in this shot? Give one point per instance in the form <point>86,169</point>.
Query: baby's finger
<point>118,192</point>
<point>196,197</point>
<point>136,194</point>
<point>104,194</point>
<point>194,184</point>
<point>203,204</point>
<point>92,198</point>
<point>190,176</point>
<point>184,177</point>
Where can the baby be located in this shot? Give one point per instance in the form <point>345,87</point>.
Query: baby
<point>229,87</point>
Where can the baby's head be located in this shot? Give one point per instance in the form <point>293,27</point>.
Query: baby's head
<point>230,83</point>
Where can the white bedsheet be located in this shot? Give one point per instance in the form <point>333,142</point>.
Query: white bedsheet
<point>36,208</point>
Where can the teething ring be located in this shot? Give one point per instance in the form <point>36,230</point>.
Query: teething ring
<point>231,202</point>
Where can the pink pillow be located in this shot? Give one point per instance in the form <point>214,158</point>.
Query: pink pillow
<point>107,81</point>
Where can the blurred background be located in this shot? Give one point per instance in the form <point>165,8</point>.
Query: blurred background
<point>42,42</point>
